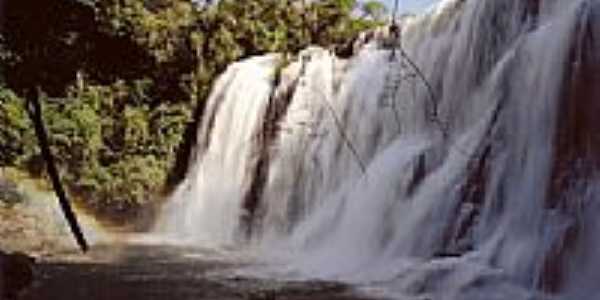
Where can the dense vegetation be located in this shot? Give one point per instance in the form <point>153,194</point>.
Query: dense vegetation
<point>123,82</point>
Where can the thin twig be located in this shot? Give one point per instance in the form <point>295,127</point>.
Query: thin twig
<point>343,135</point>
<point>395,31</point>
<point>340,128</point>
<point>390,81</point>
<point>428,86</point>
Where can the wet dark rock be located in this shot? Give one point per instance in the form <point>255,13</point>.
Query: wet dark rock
<point>419,173</point>
<point>279,101</point>
<point>16,274</point>
<point>442,254</point>
<point>577,142</point>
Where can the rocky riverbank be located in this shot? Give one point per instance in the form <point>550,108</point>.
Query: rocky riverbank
<point>158,272</point>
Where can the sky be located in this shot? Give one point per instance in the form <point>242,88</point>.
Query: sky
<point>411,5</point>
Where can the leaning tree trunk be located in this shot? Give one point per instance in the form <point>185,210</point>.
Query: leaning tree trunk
<point>34,109</point>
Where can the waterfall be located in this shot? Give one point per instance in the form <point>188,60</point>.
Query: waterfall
<point>477,181</point>
<point>206,207</point>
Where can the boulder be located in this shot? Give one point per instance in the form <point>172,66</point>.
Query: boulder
<point>16,274</point>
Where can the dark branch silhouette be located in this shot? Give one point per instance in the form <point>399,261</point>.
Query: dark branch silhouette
<point>344,136</point>
<point>337,122</point>
<point>34,109</point>
<point>395,33</point>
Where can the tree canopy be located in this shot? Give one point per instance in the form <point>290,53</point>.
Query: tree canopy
<point>125,80</point>
<point>374,10</point>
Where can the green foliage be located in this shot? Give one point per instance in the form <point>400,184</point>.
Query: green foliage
<point>111,144</point>
<point>374,10</point>
<point>17,139</point>
<point>126,77</point>
<point>158,28</point>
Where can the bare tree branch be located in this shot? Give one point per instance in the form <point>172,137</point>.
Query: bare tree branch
<point>35,113</point>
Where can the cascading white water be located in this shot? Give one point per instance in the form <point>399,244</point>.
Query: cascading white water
<point>207,205</point>
<point>371,179</point>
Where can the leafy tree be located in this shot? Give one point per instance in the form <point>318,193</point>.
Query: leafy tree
<point>124,81</point>
<point>16,133</point>
<point>374,10</point>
